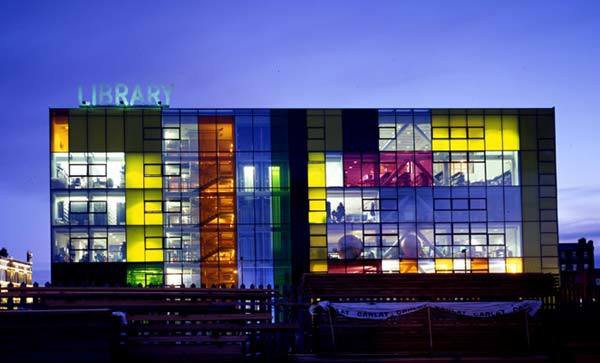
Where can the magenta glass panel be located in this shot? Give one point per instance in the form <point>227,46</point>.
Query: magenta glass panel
<point>352,172</point>
<point>405,164</point>
<point>388,171</point>
<point>423,169</point>
<point>336,267</point>
<point>370,175</point>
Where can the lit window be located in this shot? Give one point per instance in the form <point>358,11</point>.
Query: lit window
<point>248,171</point>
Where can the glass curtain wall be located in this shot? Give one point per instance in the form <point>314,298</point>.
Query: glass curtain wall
<point>441,195</point>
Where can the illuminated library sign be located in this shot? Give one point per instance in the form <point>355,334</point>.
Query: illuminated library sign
<point>122,94</point>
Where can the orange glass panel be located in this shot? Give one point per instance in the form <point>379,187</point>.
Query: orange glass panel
<point>408,267</point>
<point>217,201</point>
<point>479,265</point>
<point>60,132</point>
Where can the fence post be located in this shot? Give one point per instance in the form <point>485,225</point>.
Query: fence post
<point>430,335</point>
<point>527,338</point>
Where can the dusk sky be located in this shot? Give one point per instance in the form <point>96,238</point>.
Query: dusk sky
<point>298,54</point>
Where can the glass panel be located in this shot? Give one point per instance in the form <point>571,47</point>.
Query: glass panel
<point>334,170</point>
<point>60,132</point>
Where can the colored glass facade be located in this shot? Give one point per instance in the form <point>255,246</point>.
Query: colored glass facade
<point>259,196</point>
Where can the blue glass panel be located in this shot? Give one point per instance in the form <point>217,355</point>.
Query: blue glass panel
<point>389,216</point>
<point>246,244</point>
<point>442,216</point>
<point>495,204</point>
<point>262,133</point>
<point>264,245</point>
<point>441,192</point>
<point>512,204</point>
<point>262,207</point>
<point>245,208</point>
<point>406,205</point>
<point>424,198</point>
<point>477,192</point>
<point>460,216</point>
<point>243,133</point>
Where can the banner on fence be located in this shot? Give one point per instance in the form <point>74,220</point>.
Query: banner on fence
<point>383,311</point>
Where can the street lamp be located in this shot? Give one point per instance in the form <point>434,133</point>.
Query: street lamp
<point>464,252</point>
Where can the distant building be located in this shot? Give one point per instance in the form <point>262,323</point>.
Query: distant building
<point>15,271</point>
<point>577,273</point>
<point>574,257</point>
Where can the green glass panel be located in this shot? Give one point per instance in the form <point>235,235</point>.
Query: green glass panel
<point>77,131</point>
<point>545,126</point>
<point>96,131</point>
<point>528,132</point>
<point>115,131</point>
<point>134,131</point>
<point>333,133</point>
<point>530,203</point>
<point>531,239</point>
<point>529,168</point>
<point>145,274</point>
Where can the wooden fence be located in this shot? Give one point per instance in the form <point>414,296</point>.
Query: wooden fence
<point>170,322</point>
<point>428,330</point>
<point>233,323</point>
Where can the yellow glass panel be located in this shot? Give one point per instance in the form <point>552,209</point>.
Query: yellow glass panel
<point>135,243</point>
<point>493,133</point>
<point>318,266</point>
<point>152,158</point>
<point>318,253</point>
<point>154,256</point>
<point>475,120</point>
<point>443,265</point>
<point>440,133</point>
<point>510,133</point>
<point>317,193</point>
<point>318,229</point>
<point>154,231</point>
<point>316,175</point>
<point>153,194</point>
<point>153,182</point>
<point>458,133</point>
<point>153,218</point>
<point>476,145</point>
<point>153,242</point>
<point>153,206</point>
<point>514,265</point>
<point>440,145</point>
<point>317,217</point>
<point>134,170</point>
<point>152,169</point>
<point>458,120</point>
<point>408,267</point>
<point>60,134</point>
<point>316,205</point>
<point>458,145</point>
<point>134,203</point>
<point>316,157</point>
<point>476,133</point>
<point>439,120</point>
<point>318,241</point>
